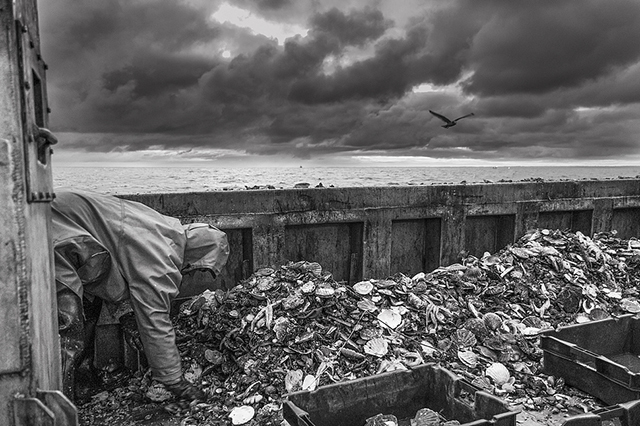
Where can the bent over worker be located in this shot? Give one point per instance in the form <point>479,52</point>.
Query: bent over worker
<point>131,258</point>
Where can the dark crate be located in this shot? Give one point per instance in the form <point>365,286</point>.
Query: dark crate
<point>401,393</point>
<point>626,414</point>
<point>598,357</point>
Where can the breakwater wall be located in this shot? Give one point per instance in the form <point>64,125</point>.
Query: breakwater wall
<point>360,233</point>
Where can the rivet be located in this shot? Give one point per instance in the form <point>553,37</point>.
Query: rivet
<point>27,86</point>
<point>40,195</point>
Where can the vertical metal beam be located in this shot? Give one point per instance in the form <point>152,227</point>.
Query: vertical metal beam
<point>29,347</point>
<point>602,215</point>
<point>376,245</point>
<point>453,234</point>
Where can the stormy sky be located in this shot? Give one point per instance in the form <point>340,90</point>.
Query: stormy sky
<point>343,82</point>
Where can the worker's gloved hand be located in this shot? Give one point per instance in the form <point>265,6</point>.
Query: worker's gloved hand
<point>185,390</point>
<point>130,331</point>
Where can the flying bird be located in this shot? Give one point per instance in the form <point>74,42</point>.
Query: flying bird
<point>446,120</point>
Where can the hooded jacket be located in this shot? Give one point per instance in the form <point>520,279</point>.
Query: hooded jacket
<point>120,250</point>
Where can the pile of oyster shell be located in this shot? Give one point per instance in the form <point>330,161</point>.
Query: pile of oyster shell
<point>295,328</point>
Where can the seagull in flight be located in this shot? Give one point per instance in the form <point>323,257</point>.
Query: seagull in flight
<point>448,122</point>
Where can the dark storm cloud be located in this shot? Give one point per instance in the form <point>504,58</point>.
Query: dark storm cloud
<point>544,78</point>
<point>535,47</point>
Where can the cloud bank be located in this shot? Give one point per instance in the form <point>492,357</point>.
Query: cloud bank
<point>545,79</point>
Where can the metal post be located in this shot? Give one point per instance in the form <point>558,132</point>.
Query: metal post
<point>29,347</point>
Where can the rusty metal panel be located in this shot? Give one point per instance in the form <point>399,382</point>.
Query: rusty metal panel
<point>488,233</point>
<point>576,220</point>
<point>626,222</point>
<point>336,246</point>
<point>415,245</point>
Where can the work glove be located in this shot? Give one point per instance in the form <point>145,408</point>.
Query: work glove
<point>130,331</point>
<point>185,390</point>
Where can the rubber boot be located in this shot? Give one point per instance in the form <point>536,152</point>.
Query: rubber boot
<point>72,338</point>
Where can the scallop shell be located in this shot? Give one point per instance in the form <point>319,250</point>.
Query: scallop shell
<point>363,287</point>
<point>325,291</point>
<point>482,382</point>
<point>465,338</point>
<point>473,273</point>
<point>498,373</point>
<point>598,314</point>
<point>158,393</point>
<point>468,358</point>
<point>495,290</point>
<point>426,417</point>
<point>492,321</point>
<point>477,327</point>
<point>315,268</point>
<point>264,271</point>
<point>241,415</point>
<point>390,318</point>
<point>377,347</point>
<point>532,321</point>
<point>267,283</point>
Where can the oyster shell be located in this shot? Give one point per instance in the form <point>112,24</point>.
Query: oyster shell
<point>498,373</point>
<point>309,383</point>
<point>293,301</point>
<point>630,305</point>
<point>241,415</point>
<point>283,327</point>
<point>390,318</point>
<point>293,379</point>
<point>308,287</point>
<point>382,420</point>
<point>366,305</point>
<point>363,287</point>
<point>325,291</point>
<point>370,333</point>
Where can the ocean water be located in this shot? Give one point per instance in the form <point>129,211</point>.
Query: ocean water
<point>134,180</point>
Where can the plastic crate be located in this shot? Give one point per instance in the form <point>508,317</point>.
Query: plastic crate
<point>627,414</point>
<point>601,358</point>
<point>401,393</point>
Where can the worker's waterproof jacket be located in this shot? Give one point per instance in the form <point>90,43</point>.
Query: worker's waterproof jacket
<point>120,250</point>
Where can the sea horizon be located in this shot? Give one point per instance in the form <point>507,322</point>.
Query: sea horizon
<point>153,179</point>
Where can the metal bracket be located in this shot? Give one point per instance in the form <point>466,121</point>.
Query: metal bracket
<point>32,412</point>
<point>65,412</point>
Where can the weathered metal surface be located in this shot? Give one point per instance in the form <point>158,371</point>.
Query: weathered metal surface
<point>29,348</point>
<point>474,218</point>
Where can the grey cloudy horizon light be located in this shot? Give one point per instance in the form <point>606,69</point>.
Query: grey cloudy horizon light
<point>546,80</point>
